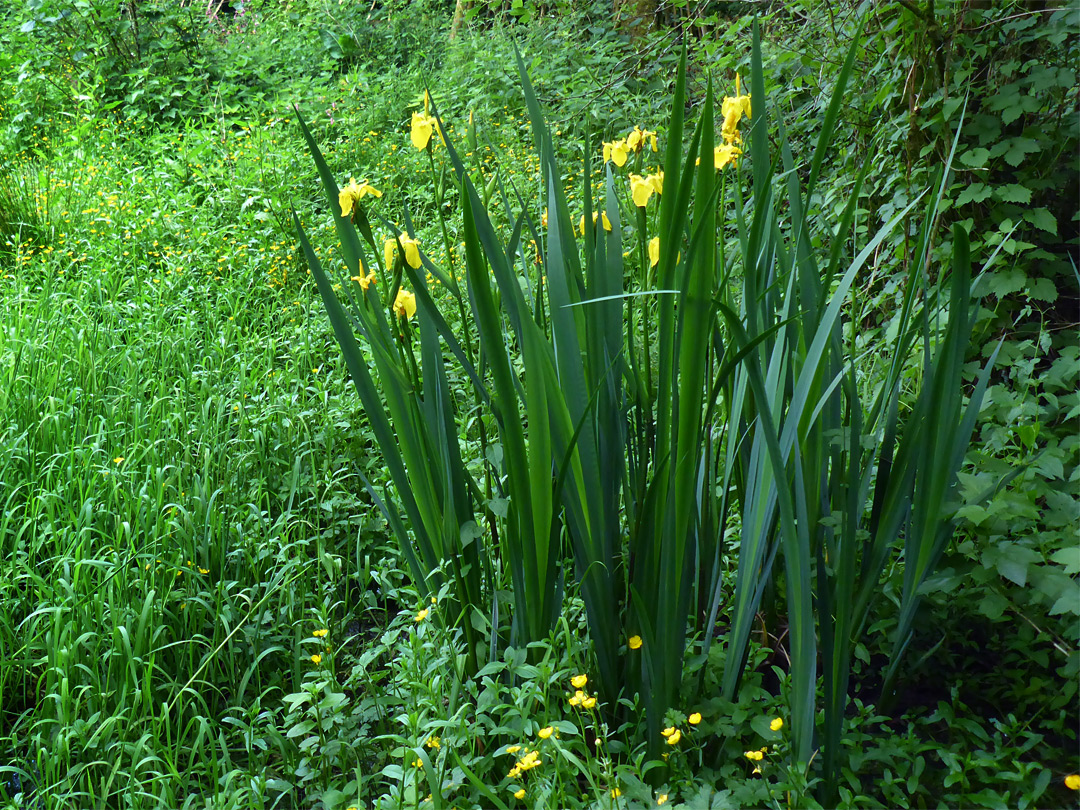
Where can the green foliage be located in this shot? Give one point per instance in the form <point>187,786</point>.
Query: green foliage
<point>171,396</point>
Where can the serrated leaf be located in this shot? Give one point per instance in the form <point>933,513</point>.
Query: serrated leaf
<point>1043,289</point>
<point>1068,557</point>
<point>976,158</point>
<point>1014,150</point>
<point>1042,219</point>
<point>976,192</point>
<point>1068,602</point>
<point>1013,193</point>
<point>1013,561</point>
<point>993,605</point>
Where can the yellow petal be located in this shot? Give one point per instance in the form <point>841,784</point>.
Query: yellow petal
<point>640,189</point>
<point>619,153</point>
<point>389,251</point>
<point>654,251</point>
<point>635,641</point>
<point>412,252</point>
<point>421,130</point>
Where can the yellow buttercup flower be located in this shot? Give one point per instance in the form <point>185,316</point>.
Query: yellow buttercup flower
<point>642,188</point>
<point>118,460</point>
<point>316,659</point>
<point>635,641</point>
<point>754,756</point>
<point>588,702</point>
<point>433,742</point>
<point>1072,781</point>
<point>616,152</point>
<point>545,732</point>
<point>777,724</point>
<point>422,127</point>
<point>662,798</point>
<point>579,681</point>
<point>694,719</point>
<point>353,192</point>
<point>673,739</point>
<point>204,570</point>
<point>615,793</point>
<point>519,794</point>
<point>423,614</point>
<point>322,633</point>
<point>418,763</point>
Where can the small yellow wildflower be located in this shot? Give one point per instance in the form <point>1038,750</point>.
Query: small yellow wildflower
<point>635,641</point>
<point>513,749</point>
<point>418,763</point>
<point>423,614</point>
<point>520,793</point>
<point>579,681</point>
<point>204,570</point>
<point>615,793</point>
<point>673,739</point>
<point>662,798</point>
<point>316,659</point>
<point>118,460</point>
<point>1072,781</point>
<point>588,703</point>
<point>322,633</point>
<point>405,307</point>
<point>545,732</point>
<point>433,742</point>
<point>754,756</point>
<point>577,699</point>
<point>694,719</point>
<point>667,732</point>
<point>777,724</point>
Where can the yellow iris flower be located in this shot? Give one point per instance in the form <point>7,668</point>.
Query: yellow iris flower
<point>642,188</point>
<point>636,140</point>
<point>654,251</point>
<point>348,196</point>
<point>616,151</point>
<point>412,251</point>
<point>581,223</point>
<point>422,127</point>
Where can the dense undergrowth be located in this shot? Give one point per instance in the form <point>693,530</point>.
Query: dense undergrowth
<point>201,604</point>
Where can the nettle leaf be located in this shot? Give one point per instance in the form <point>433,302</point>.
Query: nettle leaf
<point>1013,193</point>
<point>1042,219</point>
<point>976,192</point>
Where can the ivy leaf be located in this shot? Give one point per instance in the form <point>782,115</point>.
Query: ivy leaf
<point>1013,193</point>
<point>1042,219</point>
